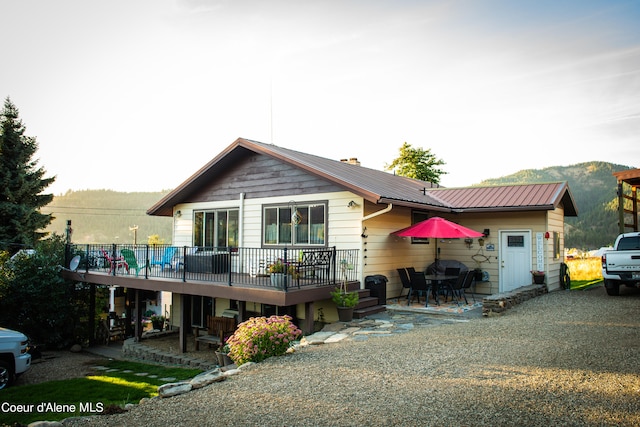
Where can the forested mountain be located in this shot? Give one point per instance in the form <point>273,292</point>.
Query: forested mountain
<point>594,191</point>
<point>106,216</point>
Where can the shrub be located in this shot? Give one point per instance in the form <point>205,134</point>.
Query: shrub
<point>262,337</point>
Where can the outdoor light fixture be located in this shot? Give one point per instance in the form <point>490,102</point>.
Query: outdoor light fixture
<point>178,214</point>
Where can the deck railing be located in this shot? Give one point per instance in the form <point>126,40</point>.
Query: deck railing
<point>222,265</point>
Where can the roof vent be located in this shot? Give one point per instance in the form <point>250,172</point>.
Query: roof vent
<point>351,161</point>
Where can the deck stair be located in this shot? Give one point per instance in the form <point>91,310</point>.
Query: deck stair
<point>367,305</point>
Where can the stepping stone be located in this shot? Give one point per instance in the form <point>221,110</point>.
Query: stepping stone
<point>142,374</point>
<point>168,379</point>
<point>335,338</point>
<point>127,371</point>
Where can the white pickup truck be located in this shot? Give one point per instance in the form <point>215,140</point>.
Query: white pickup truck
<point>621,266</point>
<point>14,356</point>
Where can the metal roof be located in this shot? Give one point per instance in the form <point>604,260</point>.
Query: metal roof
<point>509,197</point>
<point>371,184</point>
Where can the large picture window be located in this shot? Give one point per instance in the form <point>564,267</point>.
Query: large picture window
<point>218,228</point>
<point>303,225</point>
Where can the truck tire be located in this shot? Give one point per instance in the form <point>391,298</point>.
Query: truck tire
<point>6,374</point>
<point>612,287</point>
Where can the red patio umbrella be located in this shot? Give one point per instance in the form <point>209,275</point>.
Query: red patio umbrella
<point>437,228</point>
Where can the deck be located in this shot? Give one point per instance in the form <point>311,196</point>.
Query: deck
<point>241,274</point>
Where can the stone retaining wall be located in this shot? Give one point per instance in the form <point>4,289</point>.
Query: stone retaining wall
<point>499,303</point>
<point>138,351</point>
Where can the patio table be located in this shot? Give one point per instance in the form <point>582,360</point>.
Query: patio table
<point>436,280</point>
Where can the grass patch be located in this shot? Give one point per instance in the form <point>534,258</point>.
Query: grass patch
<point>579,285</point>
<point>91,395</point>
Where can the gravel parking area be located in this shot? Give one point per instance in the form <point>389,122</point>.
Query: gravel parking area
<point>565,358</point>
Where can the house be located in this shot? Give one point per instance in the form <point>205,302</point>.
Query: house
<point>267,198</point>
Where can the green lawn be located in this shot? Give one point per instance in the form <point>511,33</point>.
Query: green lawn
<point>56,400</point>
<point>585,284</point>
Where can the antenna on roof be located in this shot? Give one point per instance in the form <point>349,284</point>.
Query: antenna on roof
<point>271,108</point>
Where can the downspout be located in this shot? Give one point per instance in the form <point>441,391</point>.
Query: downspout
<point>241,221</point>
<point>362,227</point>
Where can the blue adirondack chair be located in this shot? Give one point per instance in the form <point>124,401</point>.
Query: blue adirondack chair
<point>167,257</point>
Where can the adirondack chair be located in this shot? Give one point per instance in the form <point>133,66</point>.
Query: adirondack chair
<point>130,258</point>
<point>167,257</point>
<point>114,262</point>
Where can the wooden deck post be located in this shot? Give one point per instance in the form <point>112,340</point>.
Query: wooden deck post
<point>138,327</point>
<point>184,321</point>
<point>307,328</point>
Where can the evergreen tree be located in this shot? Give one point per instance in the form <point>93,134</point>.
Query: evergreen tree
<point>21,185</point>
<point>417,163</point>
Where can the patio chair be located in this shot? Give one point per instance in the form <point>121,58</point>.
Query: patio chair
<point>404,278</point>
<point>130,258</point>
<point>456,288</point>
<point>450,271</point>
<point>115,262</point>
<point>219,329</point>
<point>167,257</point>
<point>418,285</point>
<point>471,274</point>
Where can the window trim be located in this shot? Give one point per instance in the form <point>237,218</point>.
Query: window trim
<point>307,204</point>
<point>214,211</point>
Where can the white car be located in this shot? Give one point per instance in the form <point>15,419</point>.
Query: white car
<point>14,356</point>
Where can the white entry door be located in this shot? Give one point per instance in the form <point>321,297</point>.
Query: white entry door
<point>515,259</point>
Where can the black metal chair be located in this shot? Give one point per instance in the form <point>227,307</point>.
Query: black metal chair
<point>468,280</point>
<point>405,279</point>
<point>449,284</point>
<point>418,285</point>
<point>457,289</point>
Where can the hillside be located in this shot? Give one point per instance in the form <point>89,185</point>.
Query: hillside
<point>99,216</point>
<point>594,191</point>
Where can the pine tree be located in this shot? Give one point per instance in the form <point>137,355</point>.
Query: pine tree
<point>21,185</point>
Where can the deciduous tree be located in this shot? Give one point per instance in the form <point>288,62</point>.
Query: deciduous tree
<point>417,163</point>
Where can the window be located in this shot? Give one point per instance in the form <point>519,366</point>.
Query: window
<point>416,217</point>
<point>556,245</point>
<point>218,228</point>
<point>515,241</point>
<point>295,224</point>
<point>201,307</point>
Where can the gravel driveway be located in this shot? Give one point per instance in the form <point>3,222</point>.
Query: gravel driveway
<point>565,358</point>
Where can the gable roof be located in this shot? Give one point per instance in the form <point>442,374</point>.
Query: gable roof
<point>371,184</point>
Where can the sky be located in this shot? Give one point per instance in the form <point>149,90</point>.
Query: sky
<point>137,95</point>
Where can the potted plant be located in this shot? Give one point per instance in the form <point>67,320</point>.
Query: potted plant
<point>538,277</point>
<point>223,356</point>
<point>157,322</point>
<point>344,300</point>
<point>281,272</point>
